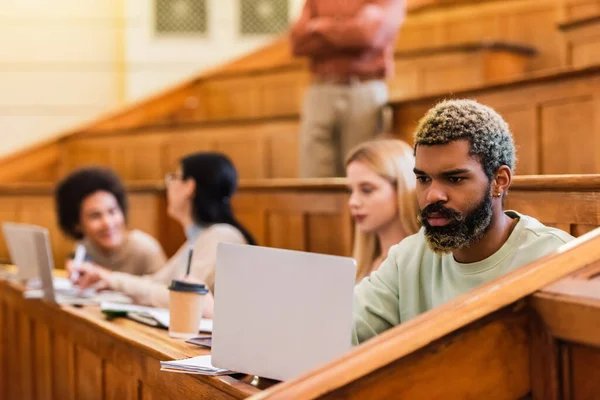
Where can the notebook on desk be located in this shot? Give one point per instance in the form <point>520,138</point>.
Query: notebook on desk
<point>279,313</point>
<point>157,317</point>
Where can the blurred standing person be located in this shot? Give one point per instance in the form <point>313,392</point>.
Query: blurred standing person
<point>350,44</point>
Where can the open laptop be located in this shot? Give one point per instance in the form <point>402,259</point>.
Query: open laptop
<point>30,250</point>
<point>280,313</point>
<point>20,242</point>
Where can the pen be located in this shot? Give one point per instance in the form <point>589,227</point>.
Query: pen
<point>189,261</point>
<point>77,260</point>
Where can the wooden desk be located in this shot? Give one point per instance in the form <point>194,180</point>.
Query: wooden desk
<point>69,353</point>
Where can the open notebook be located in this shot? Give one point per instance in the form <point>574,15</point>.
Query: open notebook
<point>158,317</point>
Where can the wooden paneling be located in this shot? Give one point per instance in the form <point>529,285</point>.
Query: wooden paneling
<point>541,112</point>
<point>579,154</point>
<point>579,211</point>
<point>304,218</point>
<point>185,143</point>
<point>330,234</point>
<point>585,372</point>
<point>3,351</point>
<point>308,215</point>
<point>63,368</point>
<point>248,154</point>
<point>118,385</point>
<point>287,231</point>
<point>450,68</point>
<point>545,361</point>
<point>39,164</point>
<point>13,342</point>
<point>132,158</point>
<point>77,354</point>
<point>483,361</point>
<point>529,22</point>
<point>148,212</point>
<point>570,310</point>
<point>42,361</point>
<point>27,344</point>
<point>258,150</point>
<point>523,122</point>
<point>574,10</point>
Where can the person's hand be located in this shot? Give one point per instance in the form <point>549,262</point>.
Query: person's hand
<point>209,300</point>
<point>89,274</point>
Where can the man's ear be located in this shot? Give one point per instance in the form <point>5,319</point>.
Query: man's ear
<point>502,181</point>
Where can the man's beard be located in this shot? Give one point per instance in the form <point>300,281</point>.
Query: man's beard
<point>463,231</point>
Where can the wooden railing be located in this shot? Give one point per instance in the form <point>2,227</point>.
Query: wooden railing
<point>306,215</point>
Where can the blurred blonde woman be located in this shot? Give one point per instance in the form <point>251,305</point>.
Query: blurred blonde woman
<point>383,202</point>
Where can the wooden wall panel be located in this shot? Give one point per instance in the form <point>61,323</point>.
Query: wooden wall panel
<point>13,376</point>
<point>570,10</point>
<point>148,394</point>
<point>77,354</point>
<point>330,234</point>
<point>148,213</point>
<point>585,372</point>
<point>139,157</point>
<point>90,151</point>
<point>255,223</point>
<point>40,164</point>
<point>249,154</point>
<point>579,154</point>
<point>585,52</point>
<point>493,358</point>
<point>535,24</point>
<point>180,144</point>
<point>523,122</point>
<point>118,385</point>
<point>272,86</point>
<point>258,150</point>
<point>233,98</point>
<point>42,361</point>
<point>3,351</point>
<point>26,349</point>
<point>63,368</point>
<point>531,22</point>
<point>287,231</point>
<point>542,114</point>
<point>284,154</point>
<point>89,370</point>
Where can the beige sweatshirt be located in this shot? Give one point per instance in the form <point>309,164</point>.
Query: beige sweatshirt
<point>140,254</point>
<point>152,289</point>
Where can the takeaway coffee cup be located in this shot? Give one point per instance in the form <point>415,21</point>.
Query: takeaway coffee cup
<point>186,302</point>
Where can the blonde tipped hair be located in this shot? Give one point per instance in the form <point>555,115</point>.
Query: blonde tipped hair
<point>394,161</point>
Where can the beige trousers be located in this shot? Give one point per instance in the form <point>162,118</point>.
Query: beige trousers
<point>335,118</point>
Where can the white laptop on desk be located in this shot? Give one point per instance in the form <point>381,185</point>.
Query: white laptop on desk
<point>280,313</point>
<point>20,242</point>
<point>30,250</point>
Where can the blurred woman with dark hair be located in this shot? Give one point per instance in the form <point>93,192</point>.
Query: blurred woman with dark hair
<point>91,204</point>
<point>199,198</point>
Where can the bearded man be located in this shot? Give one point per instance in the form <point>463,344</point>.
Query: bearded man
<point>465,157</point>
